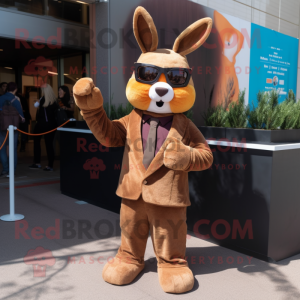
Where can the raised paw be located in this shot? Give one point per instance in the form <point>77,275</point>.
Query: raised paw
<point>83,86</point>
<point>120,273</point>
<point>86,95</point>
<point>176,280</point>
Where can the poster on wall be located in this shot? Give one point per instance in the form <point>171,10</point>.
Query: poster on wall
<point>237,56</point>
<point>273,61</point>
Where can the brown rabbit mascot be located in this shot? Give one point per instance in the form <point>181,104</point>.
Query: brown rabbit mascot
<point>161,147</point>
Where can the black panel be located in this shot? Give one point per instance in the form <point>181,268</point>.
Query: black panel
<point>285,206</point>
<point>238,189</point>
<point>78,183</point>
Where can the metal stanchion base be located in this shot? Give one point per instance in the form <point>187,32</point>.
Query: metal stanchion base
<point>11,218</point>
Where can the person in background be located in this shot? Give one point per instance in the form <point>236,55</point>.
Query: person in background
<point>65,101</point>
<point>9,96</point>
<point>3,87</point>
<point>24,126</point>
<point>45,117</point>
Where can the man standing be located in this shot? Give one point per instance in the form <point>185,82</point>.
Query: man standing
<point>9,96</point>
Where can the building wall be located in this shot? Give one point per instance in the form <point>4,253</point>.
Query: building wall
<point>280,15</point>
<point>102,53</point>
<point>72,35</point>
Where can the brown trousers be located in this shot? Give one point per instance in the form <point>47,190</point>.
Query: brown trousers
<point>168,229</point>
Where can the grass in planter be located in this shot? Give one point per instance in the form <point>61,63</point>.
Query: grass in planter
<point>268,114</point>
<point>216,116</point>
<point>189,114</point>
<point>238,112</point>
<point>118,111</point>
<point>292,111</point>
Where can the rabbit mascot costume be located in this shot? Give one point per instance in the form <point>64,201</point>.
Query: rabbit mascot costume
<point>161,145</point>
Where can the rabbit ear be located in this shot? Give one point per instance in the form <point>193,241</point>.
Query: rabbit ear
<point>193,36</point>
<point>144,30</point>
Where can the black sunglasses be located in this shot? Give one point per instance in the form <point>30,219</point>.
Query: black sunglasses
<point>176,77</point>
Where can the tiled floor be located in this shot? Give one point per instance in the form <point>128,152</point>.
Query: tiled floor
<point>74,271</point>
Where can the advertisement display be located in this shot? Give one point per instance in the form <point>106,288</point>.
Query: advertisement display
<point>273,61</point>
<point>237,56</point>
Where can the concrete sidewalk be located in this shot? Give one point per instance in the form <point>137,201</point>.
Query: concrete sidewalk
<point>75,270</point>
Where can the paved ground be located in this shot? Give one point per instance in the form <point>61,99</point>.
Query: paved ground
<point>26,176</point>
<point>74,271</point>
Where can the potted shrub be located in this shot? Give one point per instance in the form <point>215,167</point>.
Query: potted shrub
<point>268,122</point>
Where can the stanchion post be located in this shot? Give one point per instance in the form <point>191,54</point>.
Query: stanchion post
<point>12,216</point>
<point>11,171</point>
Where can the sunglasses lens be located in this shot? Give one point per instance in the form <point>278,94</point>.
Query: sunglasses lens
<point>147,74</point>
<point>178,77</point>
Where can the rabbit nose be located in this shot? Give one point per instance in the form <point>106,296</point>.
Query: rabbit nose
<point>161,91</point>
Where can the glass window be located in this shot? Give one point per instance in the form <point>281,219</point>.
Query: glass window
<point>74,68</point>
<point>33,6</point>
<point>62,9</point>
<point>67,10</point>
<point>31,82</point>
<point>7,74</point>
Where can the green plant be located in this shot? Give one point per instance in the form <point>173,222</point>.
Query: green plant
<point>117,111</point>
<point>216,116</point>
<point>294,120</point>
<point>238,112</point>
<point>291,97</point>
<point>268,114</point>
<point>189,114</point>
<point>275,114</point>
<point>256,115</point>
<point>292,112</point>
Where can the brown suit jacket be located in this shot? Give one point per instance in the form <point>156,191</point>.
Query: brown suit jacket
<point>158,184</point>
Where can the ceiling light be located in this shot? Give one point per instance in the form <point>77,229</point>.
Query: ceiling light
<point>1,49</point>
<point>9,68</point>
<point>66,74</point>
<point>81,2</point>
<point>53,73</point>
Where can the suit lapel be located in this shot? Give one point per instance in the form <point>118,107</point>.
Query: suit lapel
<point>135,139</point>
<point>177,131</point>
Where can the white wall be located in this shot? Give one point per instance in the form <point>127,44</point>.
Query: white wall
<point>279,15</point>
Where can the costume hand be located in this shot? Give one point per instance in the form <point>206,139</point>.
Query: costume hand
<point>86,95</point>
<point>177,156</point>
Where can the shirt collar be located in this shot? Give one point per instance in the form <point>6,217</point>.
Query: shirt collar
<point>162,120</point>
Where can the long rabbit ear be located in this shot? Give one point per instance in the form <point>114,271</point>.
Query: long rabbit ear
<point>193,37</point>
<point>144,30</point>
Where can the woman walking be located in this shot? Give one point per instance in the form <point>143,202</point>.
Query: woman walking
<point>45,118</point>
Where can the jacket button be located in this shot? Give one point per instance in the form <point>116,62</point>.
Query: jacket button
<point>145,182</point>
